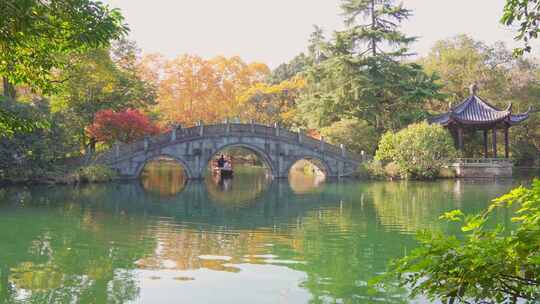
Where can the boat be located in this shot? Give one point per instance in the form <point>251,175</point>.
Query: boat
<point>223,172</point>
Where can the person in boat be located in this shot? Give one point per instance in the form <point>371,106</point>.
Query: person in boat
<point>221,161</point>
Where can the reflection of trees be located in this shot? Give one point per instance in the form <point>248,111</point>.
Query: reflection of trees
<point>344,247</point>
<point>408,206</point>
<point>303,183</point>
<point>63,250</point>
<point>164,177</point>
<point>82,244</point>
<point>249,182</point>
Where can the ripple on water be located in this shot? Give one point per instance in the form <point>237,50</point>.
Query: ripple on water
<point>283,247</point>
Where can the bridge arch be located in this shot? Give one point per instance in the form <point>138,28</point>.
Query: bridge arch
<point>263,156</point>
<point>317,161</point>
<point>193,148</point>
<point>181,162</point>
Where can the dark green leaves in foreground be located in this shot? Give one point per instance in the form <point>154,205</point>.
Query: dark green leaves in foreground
<point>489,265</point>
<point>525,14</point>
<point>34,36</point>
<point>11,120</point>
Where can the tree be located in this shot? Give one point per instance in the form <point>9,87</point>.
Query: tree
<point>356,135</point>
<point>32,152</point>
<point>419,151</point>
<point>36,35</point>
<point>527,14</point>
<point>497,265</point>
<point>382,19</point>
<point>359,73</point>
<point>124,126</point>
<point>106,78</point>
<point>289,70</point>
<point>192,88</point>
<point>266,103</point>
<point>461,61</point>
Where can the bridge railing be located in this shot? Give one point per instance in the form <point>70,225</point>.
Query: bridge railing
<point>120,150</point>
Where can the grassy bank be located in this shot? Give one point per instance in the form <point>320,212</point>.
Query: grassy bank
<point>376,170</point>
<point>66,175</point>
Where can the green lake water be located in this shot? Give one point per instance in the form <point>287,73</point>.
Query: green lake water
<point>249,240</point>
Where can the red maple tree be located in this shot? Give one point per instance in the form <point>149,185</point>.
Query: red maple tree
<point>125,126</point>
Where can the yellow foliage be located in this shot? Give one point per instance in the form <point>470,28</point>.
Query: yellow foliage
<point>191,88</point>
<point>273,103</point>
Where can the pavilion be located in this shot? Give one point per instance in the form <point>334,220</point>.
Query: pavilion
<point>476,114</point>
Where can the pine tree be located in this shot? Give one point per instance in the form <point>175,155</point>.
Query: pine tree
<point>361,74</point>
<point>373,26</point>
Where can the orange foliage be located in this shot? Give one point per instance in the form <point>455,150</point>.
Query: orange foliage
<point>191,88</point>
<point>273,103</point>
<point>125,126</point>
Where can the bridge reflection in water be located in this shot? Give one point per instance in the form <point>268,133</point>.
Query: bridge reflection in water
<point>144,242</point>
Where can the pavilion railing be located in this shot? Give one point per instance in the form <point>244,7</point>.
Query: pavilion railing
<point>493,161</point>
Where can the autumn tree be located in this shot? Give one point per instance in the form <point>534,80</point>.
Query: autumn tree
<point>125,126</point>
<point>106,78</point>
<point>192,88</point>
<point>273,103</point>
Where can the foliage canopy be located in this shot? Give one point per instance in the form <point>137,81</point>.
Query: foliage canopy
<point>35,34</point>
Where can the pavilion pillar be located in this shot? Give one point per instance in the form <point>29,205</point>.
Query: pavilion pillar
<point>506,150</point>
<point>494,142</point>
<point>485,144</point>
<point>460,138</point>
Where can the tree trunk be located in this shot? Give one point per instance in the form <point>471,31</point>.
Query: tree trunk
<point>84,146</point>
<point>9,89</point>
<point>92,144</point>
<point>373,25</point>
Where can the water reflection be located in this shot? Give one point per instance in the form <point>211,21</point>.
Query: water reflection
<point>306,177</point>
<point>248,184</point>
<point>120,243</point>
<point>165,177</point>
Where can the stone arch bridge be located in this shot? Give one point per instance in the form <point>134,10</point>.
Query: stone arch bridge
<point>194,147</point>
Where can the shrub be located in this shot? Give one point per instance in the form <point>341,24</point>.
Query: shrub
<point>392,170</point>
<point>90,174</point>
<point>375,169</point>
<point>363,172</point>
<point>418,151</point>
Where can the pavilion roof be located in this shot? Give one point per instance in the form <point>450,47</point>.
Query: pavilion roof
<point>475,111</point>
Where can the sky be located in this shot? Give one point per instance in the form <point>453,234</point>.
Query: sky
<point>274,31</point>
